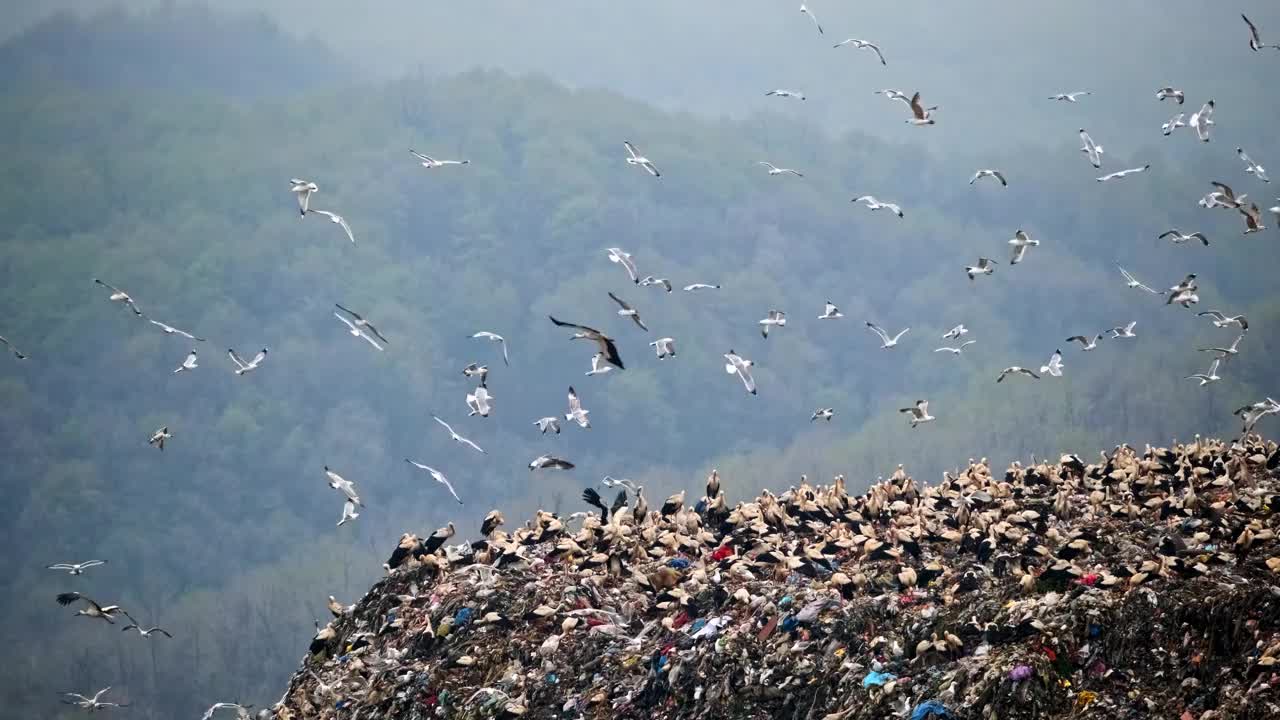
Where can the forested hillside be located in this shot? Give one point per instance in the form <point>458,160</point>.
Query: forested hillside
<point>180,196</point>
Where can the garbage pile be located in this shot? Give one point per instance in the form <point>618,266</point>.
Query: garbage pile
<point>1144,585</point>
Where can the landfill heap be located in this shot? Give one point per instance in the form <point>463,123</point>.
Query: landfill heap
<point>1145,585</point>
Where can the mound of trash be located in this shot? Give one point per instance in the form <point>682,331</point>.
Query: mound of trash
<point>1144,585</point>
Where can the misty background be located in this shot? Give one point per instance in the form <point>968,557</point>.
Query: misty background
<point>150,145</point>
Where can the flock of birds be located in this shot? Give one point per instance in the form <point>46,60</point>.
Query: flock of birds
<point>607,357</point>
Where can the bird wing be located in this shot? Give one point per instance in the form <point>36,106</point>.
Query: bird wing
<point>769,165</point>
<point>262,354</point>
<point>899,335</point>
<point>1082,339</point>
<point>345,321</point>
<point>1018,252</point>
<point>879,54</point>
<point>444,424</point>
<point>466,441</point>
<point>574,403</point>
<point>744,371</point>
<point>1253,30</point>
<point>236,359</point>
<point>346,227</point>
<point>916,108</point>
<point>621,303</point>
<point>877,330</point>
<point>425,158</point>
<point>630,148</point>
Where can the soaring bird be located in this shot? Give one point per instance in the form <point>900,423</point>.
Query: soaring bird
<point>605,342</point>
<point>338,220</point>
<point>1226,197</point>
<point>1054,366</point>
<point>985,266</point>
<point>548,423</point>
<point>775,318</point>
<point>1177,237</point>
<point>886,341</point>
<point>1226,353</point>
<point>1220,320</point>
<point>1124,173</point>
<point>1015,370</point>
<point>635,158</point>
<point>92,609</point>
<point>361,323</point>
<point>737,365</point>
<point>576,412</point>
<point>628,311</point>
<point>823,414</point>
<point>805,10</point>
<point>1201,120</point>
<point>348,513</point>
<point>120,296</point>
<point>243,367</point>
<point>1086,343</point>
<point>189,363</point>
<point>1170,92</point>
<point>16,352</point>
<point>784,93</point>
<point>649,280</point>
<point>345,486</point>
<point>146,632</point>
<point>438,477</point>
<point>919,413</point>
<point>830,312</point>
<point>873,204</point>
<point>456,437</point>
<point>956,350</point>
<point>1092,150</point>
<point>775,170</point>
<point>1020,242</point>
<point>989,173</point>
<point>664,347</point>
<point>477,370</point>
<point>429,162</point>
<point>91,703</point>
<point>76,568</point>
<point>159,437</point>
<point>863,44</point>
<point>358,332</point>
<point>616,255</point>
<point>1255,42</point>
<point>478,402</point>
<point>1252,167</point>
<point>955,332</point>
<point>303,190</point>
<point>1069,97</point>
<point>1124,332</point>
<point>1207,377</point>
<point>920,114</point>
<point>494,337</point>
<point>1132,282</point>
<point>1252,218</point>
<point>171,330</point>
<point>1174,123</point>
<point>242,711</point>
<point>700,286</point>
<point>547,462</point>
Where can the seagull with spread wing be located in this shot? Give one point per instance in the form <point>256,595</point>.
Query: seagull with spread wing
<point>171,330</point>
<point>1092,150</point>
<point>243,367</point>
<point>737,365</point>
<point>357,331</point>
<point>887,342</point>
<point>605,342</point>
<point>120,296</point>
<point>16,352</point>
<point>338,220</point>
<point>1054,366</point>
<point>146,632</point>
<point>628,311</point>
<point>985,266</point>
<point>1207,377</point>
<point>1020,242</point>
<point>438,477</point>
<point>478,402</point>
<point>616,255</point>
<point>1123,173</point>
<point>775,170</point>
<point>361,323</point>
<point>91,703</point>
<point>76,568</point>
<point>863,44</point>
<point>830,312</point>
<point>494,337</point>
<point>303,190</point>
<point>1015,370</point>
<point>1132,282</point>
<point>546,424</point>
<point>775,318</point>
<point>1255,42</point>
<point>989,173</point>
<point>1177,237</point>
<point>635,158</point>
<point>242,711</point>
<point>547,462</point>
<point>1201,120</point>
<point>956,350</point>
<point>576,412</point>
<point>1069,97</point>
<point>804,9</point>
<point>784,93</point>
<point>429,162</point>
<point>343,485</point>
<point>1220,320</point>
<point>919,413</point>
<point>873,204</point>
<point>1252,167</point>
<point>458,438</point>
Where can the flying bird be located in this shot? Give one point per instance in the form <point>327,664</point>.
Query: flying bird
<point>919,413</point>
<point>1015,370</point>
<point>920,114</point>
<point>348,513</point>
<point>16,352</point>
<point>1086,343</point>
<point>76,568</point>
<point>700,286</point>
<point>1169,92</point>
<point>649,280</point>
<point>146,632</point>
<point>1201,120</point>
<point>91,703</point>
<point>120,296</point>
<point>956,350</point>
<point>1069,97</point>
<point>823,414</point>
<point>242,711</point>
<point>159,437</point>
<point>438,477</point>
<point>494,337</point>
<point>736,365</point>
<point>547,462</point>
<point>830,312</point>
<point>616,255</point>
<point>873,204</point>
<point>361,323</point>
<point>1252,167</point>
<point>357,331</point>
<point>861,44</point>
<point>775,318</point>
<point>1177,237</point>
<point>775,170</point>
<point>477,370</point>
<point>303,190</point>
<point>338,220</point>
<point>783,93</point>
<point>478,402</point>
<point>1020,242</point>
<point>548,423</point>
<point>1174,123</point>
<point>1252,218</point>
<point>171,330</point>
<point>955,332</point>
<point>804,9</point>
<point>1207,377</point>
<point>985,266</point>
<point>1090,149</point>
<point>91,609</point>
<point>1054,366</point>
<point>664,347</point>
<point>887,341</point>
<point>1228,352</point>
<point>576,412</point>
<point>628,311</point>
<point>989,173</point>
<point>598,366</point>
<point>605,342</point>
<point>458,438</point>
<point>1124,332</point>
<point>1132,282</point>
<point>430,162</point>
<point>635,158</point>
<point>1124,173</point>
<point>1220,320</point>
<point>1224,196</point>
<point>1255,42</point>
<point>243,367</point>
<point>343,485</point>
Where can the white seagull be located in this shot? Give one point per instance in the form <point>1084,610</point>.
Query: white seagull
<point>775,318</point>
<point>1252,167</point>
<point>1223,196</point>
<point>956,350</point>
<point>243,367</point>
<point>348,488</point>
<point>1255,42</point>
<point>494,337</point>
<point>1220,320</point>
<point>358,332</point>
<point>956,332</point>
<point>616,255</point>
<point>1202,120</point>
<point>700,286</point>
<point>438,476</point>
<point>360,322</point>
<point>823,414</point>
<point>120,296</point>
<point>1174,123</point>
<point>649,280</point>
<point>430,162</point>
<point>989,173</point>
<point>1228,352</point>
<point>985,266</point>
<point>784,93</point>
<point>1069,97</point>
<point>171,330</point>
<point>887,342</point>
<point>478,401</point>
<point>1015,370</point>
<point>303,190</point>
<point>863,44</point>
<point>1170,92</point>
<point>831,312</point>
<point>458,438</point>
<point>919,413</point>
<point>548,423</point>
<point>159,437</point>
<point>635,158</point>
<point>1124,332</point>
<point>1132,282</point>
<point>1177,237</point>
<point>1086,343</point>
<point>628,311</point>
<point>477,370</point>
<point>547,462</point>
<point>775,170</point>
<point>76,568</point>
<point>1211,376</point>
<point>1090,149</point>
<point>348,513</point>
<point>189,363</point>
<point>873,204</point>
<point>599,366</point>
<point>804,9</point>
<point>1124,173</point>
<point>1054,367</point>
<point>737,365</point>
<point>338,220</point>
<point>664,347</point>
<point>242,711</point>
<point>146,632</point>
<point>576,412</point>
<point>91,703</point>
<point>1020,242</point>
<point>16,352</point>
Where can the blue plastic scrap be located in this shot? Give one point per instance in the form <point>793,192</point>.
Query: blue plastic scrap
<point>876,679</point>
<point>930,709</point>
